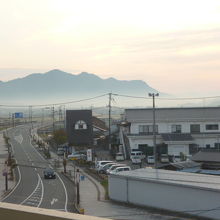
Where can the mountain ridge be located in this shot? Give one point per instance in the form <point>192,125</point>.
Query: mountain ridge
<point>60,85</point>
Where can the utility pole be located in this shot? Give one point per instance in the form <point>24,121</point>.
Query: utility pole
<point>13,119</point>
<point>109,122</point>
<point>30,116</point>
<point>77,187</point>
<point>53,118</point>
<point>154,129</point>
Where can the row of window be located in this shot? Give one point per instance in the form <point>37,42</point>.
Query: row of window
<point>194,128</point>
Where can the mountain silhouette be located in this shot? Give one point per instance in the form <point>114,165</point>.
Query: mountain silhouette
<point>59,85</point>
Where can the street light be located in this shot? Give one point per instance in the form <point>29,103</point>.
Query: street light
<point>153,95</point>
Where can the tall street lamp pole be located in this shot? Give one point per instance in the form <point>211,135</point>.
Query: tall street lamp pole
<point>154,129</point>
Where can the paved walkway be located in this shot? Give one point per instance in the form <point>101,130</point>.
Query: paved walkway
<point>3,158</point>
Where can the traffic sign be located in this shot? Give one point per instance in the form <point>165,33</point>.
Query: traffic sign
<point>18,114</point>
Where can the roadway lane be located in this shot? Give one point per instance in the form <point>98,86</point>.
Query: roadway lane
<point>32,189</point>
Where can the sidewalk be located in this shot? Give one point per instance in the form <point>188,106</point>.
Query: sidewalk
<point>3,158</point>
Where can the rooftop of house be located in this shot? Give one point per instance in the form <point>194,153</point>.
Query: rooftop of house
<point>207,156</point>
<point>173,114</point>
<point>192,180</point>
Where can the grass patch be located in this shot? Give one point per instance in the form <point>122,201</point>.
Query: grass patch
<point>105,185</point>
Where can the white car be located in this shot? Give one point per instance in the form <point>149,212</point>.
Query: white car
<point>113,167</point>
<point>104,168</point>
<point>120,169</point>
<point>136,160</point>
<point>150,160</point>
<point>101,163</point>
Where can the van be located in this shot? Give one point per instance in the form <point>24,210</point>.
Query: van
<point>119,157</point>
<point>137,154</point>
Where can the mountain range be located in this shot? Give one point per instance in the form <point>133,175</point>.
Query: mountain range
<point>57,85</point>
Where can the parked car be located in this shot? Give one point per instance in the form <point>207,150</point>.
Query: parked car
<point>113,167</point>
<point>60,151</point>
<point>102,169</point>
<point>101,163</point>
<point>49,174</point>
<point>120,169</point>
<point>150,160</point>
<point>176,158</point>
<point>136,160</point>
<point>164,158</point>
<point>119,157</point>
<point>76,156</point>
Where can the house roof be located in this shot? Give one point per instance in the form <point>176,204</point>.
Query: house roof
<point>173,114</point>
<point>99,124</point>
<point>172,177</point>
<point>182,165</point>
<point>177,137</point>
<point>203,156</point>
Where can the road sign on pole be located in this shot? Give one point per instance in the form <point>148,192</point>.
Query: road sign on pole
<point>18,114</point>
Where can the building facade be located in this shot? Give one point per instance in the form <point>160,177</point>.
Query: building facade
<point>79,127</point>
<point>178,130</point>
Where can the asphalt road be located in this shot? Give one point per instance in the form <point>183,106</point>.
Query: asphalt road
<point>31,188</point>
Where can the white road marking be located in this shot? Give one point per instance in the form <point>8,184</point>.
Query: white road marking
<point>38,183</point>
<point>19,138</point>
<point>53,201</point>
<point>56,174</point>
<point>42,192</point>
<point>65,192</point>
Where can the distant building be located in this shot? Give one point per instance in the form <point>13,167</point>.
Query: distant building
<point>83,129</point>
<point>178,130</point>
<point>79,127</point>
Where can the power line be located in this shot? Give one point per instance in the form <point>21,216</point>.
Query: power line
<point>53,104</point>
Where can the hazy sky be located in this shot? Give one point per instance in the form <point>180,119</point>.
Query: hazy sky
<point>173,45</point>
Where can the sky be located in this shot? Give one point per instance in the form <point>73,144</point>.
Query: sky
<point>172,45</point>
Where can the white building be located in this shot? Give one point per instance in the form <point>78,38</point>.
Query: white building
<point>177,129</point>
<point>188,193</point>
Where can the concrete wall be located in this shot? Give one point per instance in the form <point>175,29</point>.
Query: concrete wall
<point>191,200</point>
<point>19,212</point>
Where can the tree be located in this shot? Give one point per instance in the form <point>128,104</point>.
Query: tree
<point>60,137</point>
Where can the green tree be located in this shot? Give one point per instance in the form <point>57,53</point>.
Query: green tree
<point>60,137</point>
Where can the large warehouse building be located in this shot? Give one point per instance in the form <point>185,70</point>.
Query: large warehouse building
<point>190,193</point>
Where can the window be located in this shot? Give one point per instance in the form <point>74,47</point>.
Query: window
<point>217,145</point>
<point>212,127</point>
<point>208,146</point>
<point>80,125</point>
<point>176,128</point>
<point>147,129</point>
<point>195,128</point>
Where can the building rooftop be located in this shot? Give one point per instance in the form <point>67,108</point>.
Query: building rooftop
<point>192,180</point>
<point>203,156</point>
<point>173,114</point>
